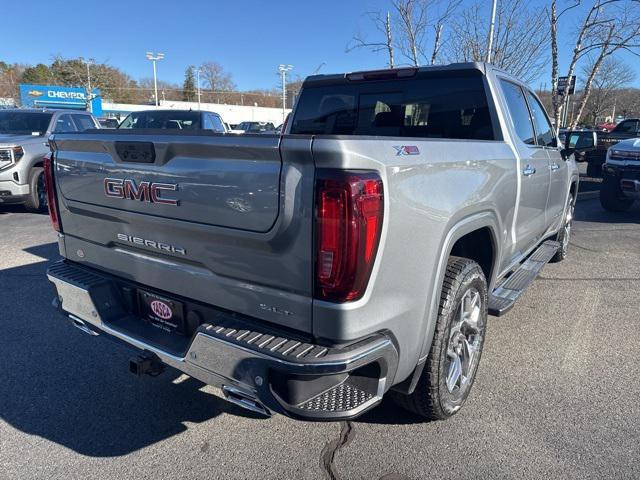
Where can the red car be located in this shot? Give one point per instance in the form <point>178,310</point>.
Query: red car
<point>608,126</point>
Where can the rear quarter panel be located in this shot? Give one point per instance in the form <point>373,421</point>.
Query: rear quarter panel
<point>448,184</point>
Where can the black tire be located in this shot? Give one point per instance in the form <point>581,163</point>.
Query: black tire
<point>564,235</point>
<point>432,398</point>
<point>594,170</point>
<point>37,199</point>
<point>612,198</point>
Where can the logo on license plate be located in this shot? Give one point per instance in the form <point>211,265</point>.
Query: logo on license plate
<point>161,309</point>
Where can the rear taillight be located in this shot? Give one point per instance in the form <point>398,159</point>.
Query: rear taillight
<point>50,187</point>
<point>349,213</point>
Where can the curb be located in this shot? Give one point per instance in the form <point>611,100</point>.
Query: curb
<point>587,195</point>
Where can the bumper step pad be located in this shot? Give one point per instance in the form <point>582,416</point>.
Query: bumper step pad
<point>341,398</point>
<point>505,295</point>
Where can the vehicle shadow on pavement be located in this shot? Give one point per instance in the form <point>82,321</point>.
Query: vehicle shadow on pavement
<point>590,211</point>
<point>389,413</point>
<point>75,390</point>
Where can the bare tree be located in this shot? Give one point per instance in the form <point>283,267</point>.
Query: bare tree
<point>419,25</point>
<point>628,102</point>
<point>215,78</point>
<point>520,37</point>
<point>611,77</point>
<point>383,25</point>
<point>416,18</point>
<point>607,27</point>
<point>412,16</point>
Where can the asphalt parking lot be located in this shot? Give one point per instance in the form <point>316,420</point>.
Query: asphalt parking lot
<point>556,396</point>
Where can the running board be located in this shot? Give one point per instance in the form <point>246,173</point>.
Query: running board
<point>504,296</point>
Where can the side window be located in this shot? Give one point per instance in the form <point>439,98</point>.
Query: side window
<point>207,124</point>
<point>628,126</point>
<point>83,122</point>
<point>216,123</point>
<point>519,112</point>
<point>542,123</point>
<point>64,124</point>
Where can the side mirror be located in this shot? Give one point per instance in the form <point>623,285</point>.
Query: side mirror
<point>581,141</point>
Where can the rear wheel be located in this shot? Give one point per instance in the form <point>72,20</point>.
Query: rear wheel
<point>453,360</point>
<point>612,198</point>
<point>564,235</point>
<point>37,198</point>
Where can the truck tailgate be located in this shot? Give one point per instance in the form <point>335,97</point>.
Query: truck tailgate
<point>221,219</point>
<point>221,181</point>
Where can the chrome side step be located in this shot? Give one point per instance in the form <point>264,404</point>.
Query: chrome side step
<point>505,295</point>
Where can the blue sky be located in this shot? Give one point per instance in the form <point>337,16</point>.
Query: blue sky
<point>249,38</point>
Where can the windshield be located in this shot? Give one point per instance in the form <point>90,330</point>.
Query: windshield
<point>24,122</point>
<point>171,120</point>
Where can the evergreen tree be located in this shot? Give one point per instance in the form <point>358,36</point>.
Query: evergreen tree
<point>189,86</point>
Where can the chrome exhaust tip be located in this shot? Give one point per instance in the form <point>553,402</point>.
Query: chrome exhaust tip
<point>82,325</point>
<point>244,400</point>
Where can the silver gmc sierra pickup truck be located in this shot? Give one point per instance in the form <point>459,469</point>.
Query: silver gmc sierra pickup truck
<point>309,274</point>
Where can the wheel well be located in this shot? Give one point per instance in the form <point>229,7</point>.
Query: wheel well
<point>477,246</point>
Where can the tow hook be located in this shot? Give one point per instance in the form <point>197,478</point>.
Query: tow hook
<point>145,364</point>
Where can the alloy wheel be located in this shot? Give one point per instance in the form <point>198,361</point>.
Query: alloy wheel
<point>567,226</point>
<point>465,342</point>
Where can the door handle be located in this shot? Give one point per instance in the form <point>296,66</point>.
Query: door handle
<point>528,171</point>
<point>554,167</point>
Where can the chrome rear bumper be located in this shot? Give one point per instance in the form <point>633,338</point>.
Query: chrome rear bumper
<point>286,375</point>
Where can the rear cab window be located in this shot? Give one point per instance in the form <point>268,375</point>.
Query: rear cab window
<point>173,120</point>
<point>454,106</point>
<point>64,124</point>
<point>83,122</point>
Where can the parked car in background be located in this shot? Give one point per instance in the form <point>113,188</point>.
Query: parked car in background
<point>174,120</point>
<point>621,176</point>
<point>311,273</point>
<point>629,128</point>
<point>109,122</point>
<point>568,137</point>
<point>606,126</point>
<point>256,127</point>
<point>23,144</point>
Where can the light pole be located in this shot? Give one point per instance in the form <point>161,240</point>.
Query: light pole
<point>154,57</point>
<point>89,95</point>
<point>198,83</point>
<point>283,69</point>
<point>491,29</point>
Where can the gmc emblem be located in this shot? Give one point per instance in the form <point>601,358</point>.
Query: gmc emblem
<point>144,192</point>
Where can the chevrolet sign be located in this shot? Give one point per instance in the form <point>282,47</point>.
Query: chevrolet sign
<point>53,96</point>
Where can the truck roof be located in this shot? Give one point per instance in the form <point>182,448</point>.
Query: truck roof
<point>480,67</point>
